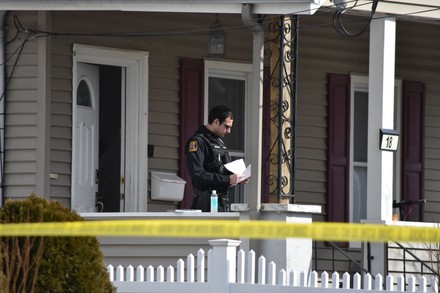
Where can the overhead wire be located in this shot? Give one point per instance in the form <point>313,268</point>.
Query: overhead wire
<point>342,30</point>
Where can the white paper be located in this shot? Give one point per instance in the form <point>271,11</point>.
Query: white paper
<point>238,167</point>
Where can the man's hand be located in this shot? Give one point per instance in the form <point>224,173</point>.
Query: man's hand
<point>246,181</point>
<point>233,179</point>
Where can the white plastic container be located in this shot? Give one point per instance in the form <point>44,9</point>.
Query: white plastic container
<point>166,186</point>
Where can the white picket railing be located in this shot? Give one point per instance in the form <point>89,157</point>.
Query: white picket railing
<point>231,272</point>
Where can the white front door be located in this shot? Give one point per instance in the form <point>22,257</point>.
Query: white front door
<point>85,146</point>
<point>134,127</point>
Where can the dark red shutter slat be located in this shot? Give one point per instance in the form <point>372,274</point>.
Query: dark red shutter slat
<point>338,147</point>
<point>266,141</point>
<point>191,115</point>
<point>413,147</point>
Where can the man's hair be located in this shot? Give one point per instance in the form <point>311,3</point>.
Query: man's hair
<point>219,112</point>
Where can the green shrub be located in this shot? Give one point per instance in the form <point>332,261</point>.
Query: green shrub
<point>50,264</point>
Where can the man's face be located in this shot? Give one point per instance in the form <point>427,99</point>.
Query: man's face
<point>224,128</point>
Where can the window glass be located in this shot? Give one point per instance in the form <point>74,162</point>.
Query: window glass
<point>360,126</point>
<point>231,93</point>
<point>359,193</point>
<point>83,95</point>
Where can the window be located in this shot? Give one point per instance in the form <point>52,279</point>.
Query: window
<point>347,162</point>
<point>359,143</point>
<point>227,83</point>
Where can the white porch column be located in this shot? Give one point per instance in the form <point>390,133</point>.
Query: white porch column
<point>255,119</point>
<point>380,115</point>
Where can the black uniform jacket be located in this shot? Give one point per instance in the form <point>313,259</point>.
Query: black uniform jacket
<point>206,155</point>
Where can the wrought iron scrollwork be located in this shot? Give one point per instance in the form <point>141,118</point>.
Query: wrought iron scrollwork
<point>281,48</point>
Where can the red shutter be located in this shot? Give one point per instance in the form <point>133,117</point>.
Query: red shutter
<point>338,147</point>
<point>413,136</point>
<point>266,140</point>
<point>191,115</point>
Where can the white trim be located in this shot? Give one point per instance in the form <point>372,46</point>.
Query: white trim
<point>136,64</point>
<point>306,7</point>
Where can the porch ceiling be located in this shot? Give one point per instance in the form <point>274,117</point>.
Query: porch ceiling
<point>198,6</point>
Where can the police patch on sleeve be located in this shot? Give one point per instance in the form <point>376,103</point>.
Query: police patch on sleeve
<point>193,146</point>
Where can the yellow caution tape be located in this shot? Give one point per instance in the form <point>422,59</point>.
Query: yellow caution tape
<point>324,231</point>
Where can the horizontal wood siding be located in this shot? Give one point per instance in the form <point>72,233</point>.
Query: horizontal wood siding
<point>164,55</point>
<point>20,106</point>
<point>418,59</point>
<point>321,51</point>
<point>61,121</point>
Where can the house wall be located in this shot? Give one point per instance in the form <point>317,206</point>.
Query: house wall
<point>164,55</point>
<point>21,104</point>
<point>322,51</point>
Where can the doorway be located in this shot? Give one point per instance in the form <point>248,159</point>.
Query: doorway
<point>109,132</point>
<point>98,128</point>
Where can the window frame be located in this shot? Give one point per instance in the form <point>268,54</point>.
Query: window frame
<point>230,70</point>
<point>359,82</point>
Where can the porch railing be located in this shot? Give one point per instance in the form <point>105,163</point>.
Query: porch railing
<point>232,271</point>
<point>419,261</point>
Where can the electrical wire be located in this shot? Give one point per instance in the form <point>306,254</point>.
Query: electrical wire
<point>232,27</point>
<point>339,26</point>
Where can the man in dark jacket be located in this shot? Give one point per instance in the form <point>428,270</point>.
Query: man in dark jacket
<point>206,155</point>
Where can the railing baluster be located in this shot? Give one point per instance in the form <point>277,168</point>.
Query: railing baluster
<point>314,279</point>
<point>111,272</point>
<point>324,280</point>
<point>293,278</point>
<point>303,279</point>
<point>261,270</point>
<point>272,273</point>
<point>129,274</point>
<point>400,283</point>
<point>422,284</point>
<point>160,275</point>
<point>119,273</point>
<point>200,266</point>
<point>241,266</point>
<point>378,282</point>
<point>170,274</point>
<point>140,273</point>
<point>346,280</point>
<point>251,267</point>
<point>367,282</point>
<point>335,280</point>
<point>150,273</point>
<point>190,268</point>
<point>282,277</point>
<point>389,282</point>
<point>357,281</point>
<point>411,284</point>
<point>180,271</point>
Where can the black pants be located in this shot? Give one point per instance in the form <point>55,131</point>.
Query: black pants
<point>203,202</point>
